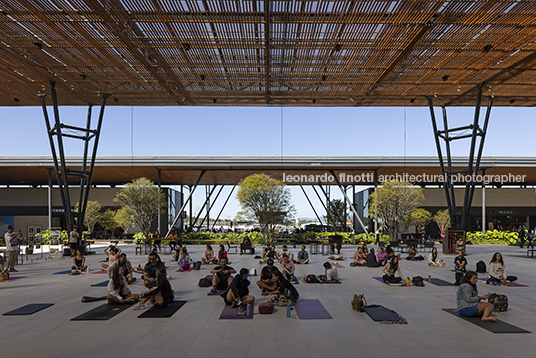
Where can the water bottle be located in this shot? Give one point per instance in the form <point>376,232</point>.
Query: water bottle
<point>429,279</point>
<point>408,282</point>
<point>288,310</point>
<point>249,310</point>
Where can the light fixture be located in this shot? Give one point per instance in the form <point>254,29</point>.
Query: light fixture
<point>83,76</point>
<point>337,47</point>
<point>444,78</point>
<point>202,77</point>
<point>186,46</point>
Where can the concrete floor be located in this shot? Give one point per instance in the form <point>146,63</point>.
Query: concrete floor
<point>196,331</point>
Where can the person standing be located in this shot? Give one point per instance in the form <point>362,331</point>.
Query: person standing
<point>12,247</point>
<point>73,240</point>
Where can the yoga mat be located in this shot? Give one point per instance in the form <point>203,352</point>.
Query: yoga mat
<point>324,281</point>
<point>440,282</point>
<point>101,271</point>
<point>101,313</point>
<point>93,299</point>
<point>62,272</point>
<point>494,327</point>
<point>233,313</point>
<point>389,284</point>
<point>28,309</point>
<point>161,312</point>
<point>380,313</point>
<point>101,284</point>
<point>509,284</point>
<point>16,277</point>
<point>311,309</point>
<point>295,280</point>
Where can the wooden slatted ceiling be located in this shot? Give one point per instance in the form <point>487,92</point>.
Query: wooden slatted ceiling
<point>290,53</point>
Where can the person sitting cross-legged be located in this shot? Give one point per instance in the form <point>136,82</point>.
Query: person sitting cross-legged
<point>127,268</point>
<point>359,258</point>
<point>162,295</point>
<point>390,270</point>
<point>118,291</point>
<point>371,259</point>
<point>460,262</point>
<point>237,294</point>
<point>330,274</point>
<point>433,259</point>
<point>265,283</point>
<point>336,252</point>
<point>79,262</point>
<point>288,267</point>
<point>221,276</point>
<point>149,275</point>
<point>303,256</point>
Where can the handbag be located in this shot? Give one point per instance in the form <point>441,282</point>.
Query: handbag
<point>359,303</point>
<point>266,308</point>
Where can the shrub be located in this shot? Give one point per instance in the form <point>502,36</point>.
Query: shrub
<point>492,237</point>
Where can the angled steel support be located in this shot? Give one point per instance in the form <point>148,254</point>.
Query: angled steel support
<point>210,208</point>
<point>459,216</point>
<point>204,204</point>
<point>327,194</point>
<point>224,204</point>
<point>349,202</point>
<point>312,207</point>
<point>56,136</point>
<point>192,190</point>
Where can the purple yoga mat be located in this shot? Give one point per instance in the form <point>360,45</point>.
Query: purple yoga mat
<point>390,284</point>
<point>234,313</point>
<point>311,309</point>
<point>16,277</point>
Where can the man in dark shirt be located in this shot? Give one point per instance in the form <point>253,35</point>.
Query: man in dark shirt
<point>221,276</point>
<point>265,283</point>
<point>284,287</point>
<point>149,277</point>
<point>238,293</point>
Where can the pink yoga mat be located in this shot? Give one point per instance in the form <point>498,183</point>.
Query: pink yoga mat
<point>101,271</point>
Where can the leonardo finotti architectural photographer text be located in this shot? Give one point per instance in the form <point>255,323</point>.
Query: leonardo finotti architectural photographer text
<point>367,178</point>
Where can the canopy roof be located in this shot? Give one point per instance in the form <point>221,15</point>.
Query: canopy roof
<point>249,53</point>
<point>230,170</point>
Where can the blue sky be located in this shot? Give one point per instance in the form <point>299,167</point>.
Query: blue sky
<point>267,131</point>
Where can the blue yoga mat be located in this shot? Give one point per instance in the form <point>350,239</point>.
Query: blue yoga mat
<point>101,284</point>
<point>311,309</point>
<point>62,272</point>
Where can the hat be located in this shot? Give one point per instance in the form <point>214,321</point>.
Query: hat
<point>10,227</point>
<point>270,262</point>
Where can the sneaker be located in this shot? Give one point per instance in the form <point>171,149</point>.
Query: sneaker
<point>13,270</point>
<point>140,306</point>
<point>234,304</point>
<point>242,306</point>
<point>130,282</point>
<point>213,289</point>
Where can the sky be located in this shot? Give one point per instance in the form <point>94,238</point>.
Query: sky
<point>267,131</point>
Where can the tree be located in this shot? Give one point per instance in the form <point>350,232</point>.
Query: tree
<point>392,201</point>
<point>93,214</point>
<point>337,214</point>
<point>124,218</point>
<point>108,221</point>
<point>144,199</point>
<point>442,219</point>
<point>264,200</point>
<point>420,218</point>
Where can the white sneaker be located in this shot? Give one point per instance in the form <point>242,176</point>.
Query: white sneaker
<point>140,306</point>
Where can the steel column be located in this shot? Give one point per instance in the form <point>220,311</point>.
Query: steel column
<point>159,187</point>
<point>186,202</point>
<point>224,204</point>
<point>348,201</point>
<point>312,207</point>
<point>60,166</point>
<point>205,203</point>
<point>210,208</point>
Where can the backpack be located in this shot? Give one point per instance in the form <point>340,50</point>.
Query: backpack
<point>266,308</point>
<point>418,281</point>
<point>500,302</point>
<point>480,267</point>
<point>311,278</point>
<point>359,303</point>
<point>205,282</point>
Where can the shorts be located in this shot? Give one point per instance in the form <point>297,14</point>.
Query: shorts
<point>469,311</point>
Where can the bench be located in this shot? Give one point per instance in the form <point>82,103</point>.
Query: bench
<point>284,241</point>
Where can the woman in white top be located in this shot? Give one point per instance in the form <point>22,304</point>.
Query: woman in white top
<point>118,291</point>
<point>433,259</point>
<point>390,269</point>
<point>497,270</point>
